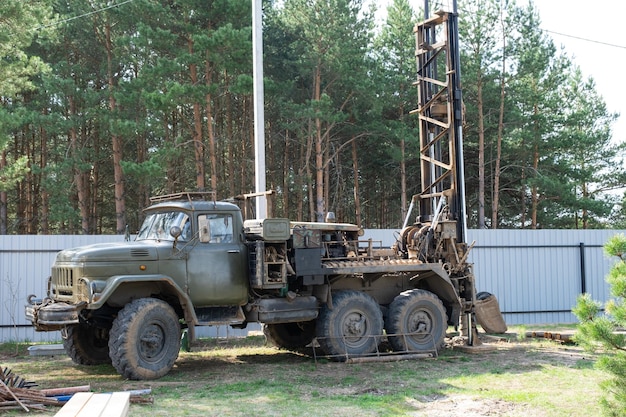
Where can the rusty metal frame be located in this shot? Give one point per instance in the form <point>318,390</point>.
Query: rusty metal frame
<point>378,355</point>
<point>436,112</point>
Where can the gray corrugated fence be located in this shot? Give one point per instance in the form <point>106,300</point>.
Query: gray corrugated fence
<point>536,275</point>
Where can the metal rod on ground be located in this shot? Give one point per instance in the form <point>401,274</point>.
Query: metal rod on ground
<point>65,391</point>
<point>390,358</point>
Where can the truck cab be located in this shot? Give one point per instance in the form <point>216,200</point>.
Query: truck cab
<point>202,249</point>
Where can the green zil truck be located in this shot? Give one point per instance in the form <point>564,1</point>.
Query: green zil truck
<point>196,262</point>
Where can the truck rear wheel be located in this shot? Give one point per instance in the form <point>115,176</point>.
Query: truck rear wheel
<point>145,339</point>
<point>87,345</point>
<point>351,327</point>
<point>419,319</point>
<point>290,336</point>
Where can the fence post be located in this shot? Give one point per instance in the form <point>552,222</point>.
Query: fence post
<point>583,277</point>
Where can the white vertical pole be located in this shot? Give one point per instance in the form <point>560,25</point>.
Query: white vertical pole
<point>259,115</point>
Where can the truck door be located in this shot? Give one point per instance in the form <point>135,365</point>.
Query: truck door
<point>217,269</point>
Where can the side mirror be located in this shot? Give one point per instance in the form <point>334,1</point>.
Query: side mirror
<point>175,232</point>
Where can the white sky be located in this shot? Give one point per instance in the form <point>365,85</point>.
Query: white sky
<point>597,20</point>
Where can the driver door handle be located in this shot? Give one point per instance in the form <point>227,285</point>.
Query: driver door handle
<point>234,251</point>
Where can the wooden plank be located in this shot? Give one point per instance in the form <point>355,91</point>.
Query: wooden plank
<point>74,405</point>
<point>88,404</point>
<point>95,406</point>
<point>118,406</point>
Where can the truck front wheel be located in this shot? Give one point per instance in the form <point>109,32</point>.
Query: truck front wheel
<point>87,345</point>
<point>418,318</point>
<point>145,339</point>
<point>351,327</point>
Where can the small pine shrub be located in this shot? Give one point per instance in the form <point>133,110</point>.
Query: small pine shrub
<point>603,331</point>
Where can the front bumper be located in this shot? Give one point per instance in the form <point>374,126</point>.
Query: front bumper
<point>47,315</point>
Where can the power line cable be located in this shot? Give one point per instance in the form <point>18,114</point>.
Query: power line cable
<point>585,39</point>
<point>58,22</point>
<point>69,19</point>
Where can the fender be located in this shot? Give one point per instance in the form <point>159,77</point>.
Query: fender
<point>114,291</point>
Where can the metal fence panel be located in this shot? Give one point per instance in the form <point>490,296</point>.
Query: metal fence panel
<point>538,274</point>
<point>535,274</point>
<point>24,267</point>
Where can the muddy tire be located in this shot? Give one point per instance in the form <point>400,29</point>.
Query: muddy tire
<point>145,339</point>
<point>87,345</point>
<point>352,327</point>
<point>290,336</point>
<point>420,316</point>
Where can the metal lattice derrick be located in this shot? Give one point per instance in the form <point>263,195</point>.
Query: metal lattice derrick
<point>435,111</point>
<point>440,112</point>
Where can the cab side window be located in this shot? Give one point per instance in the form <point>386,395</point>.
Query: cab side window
<point>216,228</point>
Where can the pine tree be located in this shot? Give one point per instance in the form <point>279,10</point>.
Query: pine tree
<point>394,50</point>
<point>598,331</point>
<point>19,25</point>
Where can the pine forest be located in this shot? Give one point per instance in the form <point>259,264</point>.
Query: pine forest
<point>106,103</point>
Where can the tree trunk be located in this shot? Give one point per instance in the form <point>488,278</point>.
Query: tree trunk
<point>302,171</point>
<point>325,162</point>
<point>523,199</point>
<point>197,123</point>
<point>208,73</point>
<point>230,140</point>
<point>319,151</point>
<point>3,198</point>
<point>585,212</point>
<point>169,126</point>
<point>309,174</point>
<point>286,169</point>
<point>481,152</point>
<point>534,193</point>
<point>79,178</point>
<point>355,175</point>
<point>496,174</point>
<point>118,174</point>
<point>96,218</point>
<point>45,196</point>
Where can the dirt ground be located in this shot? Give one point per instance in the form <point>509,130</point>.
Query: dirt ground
<point>466,406</point>
<point>428,387</point>
<point>510,350</point>
<point>499,352</point>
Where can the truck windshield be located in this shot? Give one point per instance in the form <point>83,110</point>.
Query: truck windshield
<point>157,226</point>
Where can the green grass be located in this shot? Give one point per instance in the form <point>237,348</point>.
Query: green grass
<point>244,377</point>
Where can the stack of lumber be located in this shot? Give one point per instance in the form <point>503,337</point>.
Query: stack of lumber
<point>24,398</point>
<point>17,393</point>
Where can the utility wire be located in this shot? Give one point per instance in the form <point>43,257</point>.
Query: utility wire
<point>69,19</point>
<point>584,39</point>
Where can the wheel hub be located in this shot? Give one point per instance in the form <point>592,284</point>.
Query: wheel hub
<point>152,341</point>
<point>355,326</point>
<point>419,322</point>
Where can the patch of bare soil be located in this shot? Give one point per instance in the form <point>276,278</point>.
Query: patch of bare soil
<point>466,406</point>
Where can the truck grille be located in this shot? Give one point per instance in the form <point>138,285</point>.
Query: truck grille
<point>62,281</point>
